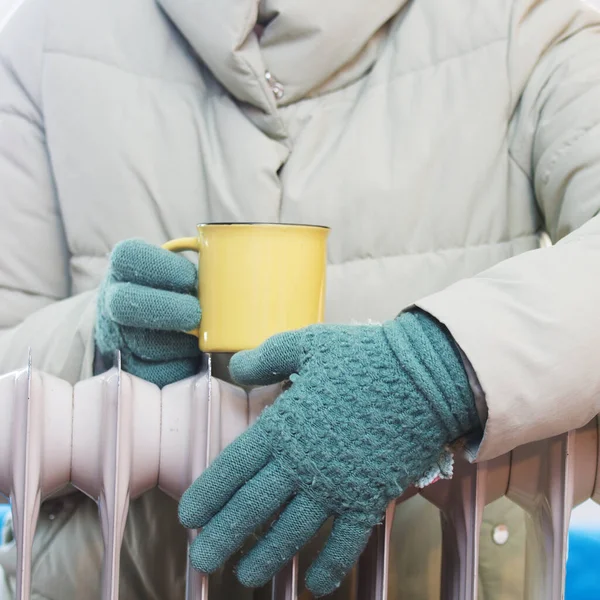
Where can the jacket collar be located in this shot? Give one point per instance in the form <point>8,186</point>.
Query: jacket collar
<point>307,47</point>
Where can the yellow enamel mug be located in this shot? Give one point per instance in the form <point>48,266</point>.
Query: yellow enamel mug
<point>255,280</point>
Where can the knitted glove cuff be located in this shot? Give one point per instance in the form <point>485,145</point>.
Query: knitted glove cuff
<point>436,370</point>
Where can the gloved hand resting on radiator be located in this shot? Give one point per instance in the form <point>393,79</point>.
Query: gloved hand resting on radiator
<point>147,298</point>
<point>369,412</point>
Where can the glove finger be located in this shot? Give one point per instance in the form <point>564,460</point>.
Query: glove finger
<point>154,345</point>
<point>161,373</point>
<point>137,306</point>
<point>298,523</point>
<point>136,261</point>
<point>249,508</point>
<point>347,540</point>
<point>273,361</point>
<point>238,463</point>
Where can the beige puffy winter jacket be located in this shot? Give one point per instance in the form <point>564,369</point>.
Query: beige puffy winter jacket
<point>437,139</point>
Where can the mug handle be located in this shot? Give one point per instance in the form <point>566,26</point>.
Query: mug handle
<point>181,245</point>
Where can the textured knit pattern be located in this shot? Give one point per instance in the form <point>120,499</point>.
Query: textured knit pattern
<point>146,300</point>
<point>369,413</point>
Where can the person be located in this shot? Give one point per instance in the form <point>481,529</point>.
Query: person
<point>440,142</point>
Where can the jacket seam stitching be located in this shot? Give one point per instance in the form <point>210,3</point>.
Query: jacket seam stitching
<point>328,98</point>
<point>17,114</point>
<point>399,255</point>
<point>376,84</point>
<point>564,149</point>
<point>440,250</point>
<point>17,80</point>
<point>447,59</point>
<point>436,251</point>
<point>65,54</point>
<point>8,288</point>
<point>519,165</point>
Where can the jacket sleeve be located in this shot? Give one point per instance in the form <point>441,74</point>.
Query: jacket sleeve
<point>34,258</point>
<point>530,326</point>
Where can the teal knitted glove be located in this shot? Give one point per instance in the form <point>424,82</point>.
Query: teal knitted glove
<point>147,298</point>
<point>369,412</point>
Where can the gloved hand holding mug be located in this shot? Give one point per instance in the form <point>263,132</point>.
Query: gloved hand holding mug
<point>147,299</point>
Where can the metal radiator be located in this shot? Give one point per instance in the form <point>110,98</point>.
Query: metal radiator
<point>116,436</point>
